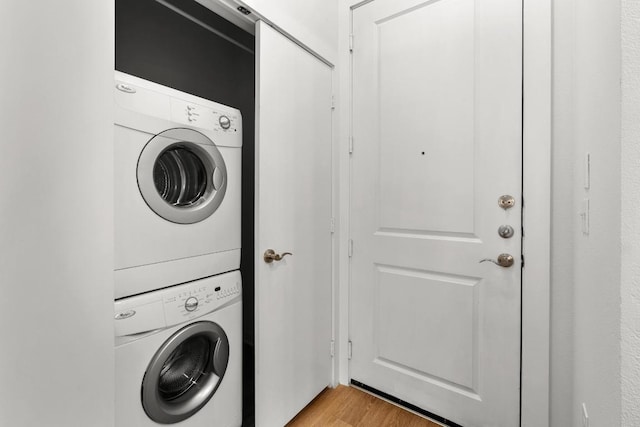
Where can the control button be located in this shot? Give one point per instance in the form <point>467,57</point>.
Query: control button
<point>225,123</point>
<point>191,304</point>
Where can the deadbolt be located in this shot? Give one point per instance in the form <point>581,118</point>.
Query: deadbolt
<point>506,202</point>
<point>504,260</point>
<point>505,231</point>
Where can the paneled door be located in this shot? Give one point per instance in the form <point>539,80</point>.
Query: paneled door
<point>436,258</point>
<point>293,214</point>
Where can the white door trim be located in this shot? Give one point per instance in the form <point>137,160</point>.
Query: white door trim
<point>536,276</point>
<point>536,193</point>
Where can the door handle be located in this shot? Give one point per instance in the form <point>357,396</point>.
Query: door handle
<point>270,255</point>
<point>504,260</point>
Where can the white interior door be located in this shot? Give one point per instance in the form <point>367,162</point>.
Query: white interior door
<point>437,140</point>
<point>293,214</point>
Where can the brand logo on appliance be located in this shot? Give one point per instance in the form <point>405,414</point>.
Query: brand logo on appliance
<point>125,88</point>
<point>125,314</point>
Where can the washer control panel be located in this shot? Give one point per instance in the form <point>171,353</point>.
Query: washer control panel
<point>175,305</point>
<point>191,300</point>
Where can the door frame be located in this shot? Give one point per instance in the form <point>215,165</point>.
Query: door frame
<point>536,181</point>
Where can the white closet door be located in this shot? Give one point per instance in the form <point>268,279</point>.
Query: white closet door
<point>293,211</point>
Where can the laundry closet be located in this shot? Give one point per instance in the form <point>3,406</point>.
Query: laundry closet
<point>185,46</point>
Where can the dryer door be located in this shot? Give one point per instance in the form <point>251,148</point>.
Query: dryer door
<point>185,372</point>
<point>182,176</point>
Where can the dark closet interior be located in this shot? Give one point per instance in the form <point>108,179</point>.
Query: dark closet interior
<point>157,42</point>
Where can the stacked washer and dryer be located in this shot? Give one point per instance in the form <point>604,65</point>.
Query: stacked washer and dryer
<point>178,307</point>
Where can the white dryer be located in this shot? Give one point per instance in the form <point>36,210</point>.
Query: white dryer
<point>178,355</point>
<point>177,186</point>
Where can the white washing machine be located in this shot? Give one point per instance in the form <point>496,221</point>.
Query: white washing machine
<point>177,186</point>
<point>178,355</point>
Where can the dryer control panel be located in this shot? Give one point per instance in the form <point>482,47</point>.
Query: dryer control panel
<point>150,107</point>
<point>177,304</point>
<point>193,114</point>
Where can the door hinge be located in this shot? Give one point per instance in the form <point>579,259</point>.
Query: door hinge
<point>350,42</point>
<point>332,225</point>
<point>333,102</point>
<point>349,350</point>
<point>522,261</point>
<point>333,348</point>
<point>350,248</point>
<point>350,145</point>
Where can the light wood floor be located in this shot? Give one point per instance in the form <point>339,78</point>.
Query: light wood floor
<point>349,407</point>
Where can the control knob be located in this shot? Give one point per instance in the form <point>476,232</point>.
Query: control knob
<point>191,304</point>
<point>225,122</point>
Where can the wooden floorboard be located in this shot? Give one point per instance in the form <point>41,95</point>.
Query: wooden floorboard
<point>350,407</point>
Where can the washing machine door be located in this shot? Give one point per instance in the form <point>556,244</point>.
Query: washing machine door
<point>185,372</point>
<point>182,176</point>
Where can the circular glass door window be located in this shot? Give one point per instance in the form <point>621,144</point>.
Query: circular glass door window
<point>182,176</point>
<point>185,372</point>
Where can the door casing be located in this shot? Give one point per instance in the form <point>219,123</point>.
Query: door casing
<point>537,21</point>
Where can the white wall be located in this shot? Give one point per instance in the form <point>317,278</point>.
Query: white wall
<point>56,213</point>
<point>596,129</point>
<point>630,291</point>
<point>313,22</point>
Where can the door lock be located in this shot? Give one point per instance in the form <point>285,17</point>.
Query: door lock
<point>504,260</point>
<point>505,231</point>
<point>506,202</point>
